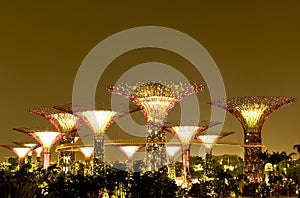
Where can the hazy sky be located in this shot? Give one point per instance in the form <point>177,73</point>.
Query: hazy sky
<point>255,45</point>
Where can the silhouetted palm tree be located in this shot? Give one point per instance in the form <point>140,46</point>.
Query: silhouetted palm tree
<point>297,148</point>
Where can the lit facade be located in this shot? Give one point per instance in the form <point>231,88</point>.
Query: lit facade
<point>252,112</point>
<point>156,99</point>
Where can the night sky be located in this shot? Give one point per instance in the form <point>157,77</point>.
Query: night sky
<point>255,45</point>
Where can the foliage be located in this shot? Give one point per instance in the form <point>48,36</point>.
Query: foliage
<point>217,176</point>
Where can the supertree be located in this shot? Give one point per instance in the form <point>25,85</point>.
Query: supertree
<point>45,138</point>
<point>156,99</point>
<point>65,123</point>
<point>252,111</point>
<point>209,140</point>
<point>30,145</point>
<point>20,151</point>
<point>185,134</point>
<point>98,119</point>
<point>129,151</point>
<point>171,151</point>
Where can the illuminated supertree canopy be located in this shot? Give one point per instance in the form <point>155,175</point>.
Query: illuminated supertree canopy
<point>45,138</point>
<point>252,111</point>
<point>20,151</point>
<point>129,151</point>
<point>28,144</point>
<point>62,121</point>
<point>209,140</point>
<point>156,99</point>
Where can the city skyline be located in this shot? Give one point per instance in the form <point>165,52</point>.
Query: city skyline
<point>255,47</point>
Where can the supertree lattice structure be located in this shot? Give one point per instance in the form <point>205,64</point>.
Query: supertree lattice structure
<point>45,138</point>
<point>156,99</point>
<point>185,134</point>
<point>252,111</point>
<point>65,123</point>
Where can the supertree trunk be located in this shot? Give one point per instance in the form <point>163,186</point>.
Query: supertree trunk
<point>156,155</point>
<point>46,159</point>
<point>99,148</point>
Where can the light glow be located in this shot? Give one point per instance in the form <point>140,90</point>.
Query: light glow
<point>67,122</point>
<point>31,145</point>
<point>98,120</point>
<point>129,151</point>
<point>38,151</point>
<point>76,139</point>
<point>208,140</point>
<point>156,108</point>
<point>87,152</point>
<point>252,113</point>
<point>185,133</point>
<point>21,152</point>
<point>172,150</point>
<point>47,138</point>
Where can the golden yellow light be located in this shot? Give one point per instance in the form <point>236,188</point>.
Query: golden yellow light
<point>153,89</point>
<point>155,106</point>
<point>66,121</point>
<point>252,113</point>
